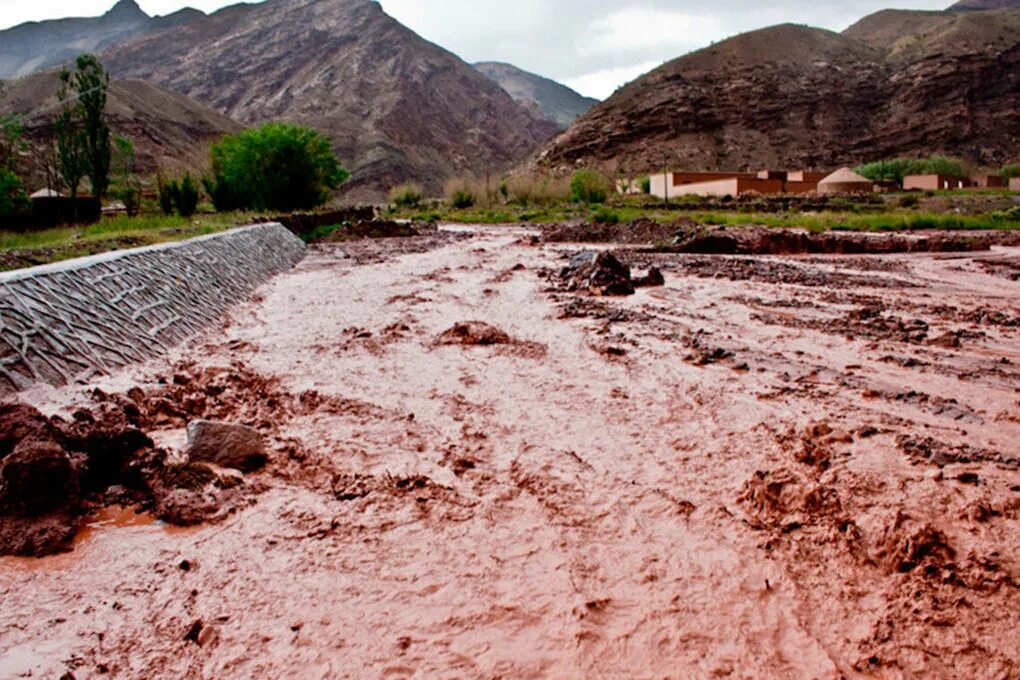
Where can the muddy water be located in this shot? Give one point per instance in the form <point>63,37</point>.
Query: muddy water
<point>550,508</point>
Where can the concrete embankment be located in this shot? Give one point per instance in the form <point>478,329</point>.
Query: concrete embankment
<point>67,321</point>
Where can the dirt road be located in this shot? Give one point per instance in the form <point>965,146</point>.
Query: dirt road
<point>770,467</point>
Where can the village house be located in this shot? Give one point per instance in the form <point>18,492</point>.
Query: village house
<point>935,182</point>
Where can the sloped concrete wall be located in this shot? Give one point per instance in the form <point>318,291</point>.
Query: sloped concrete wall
<point>68,321</point>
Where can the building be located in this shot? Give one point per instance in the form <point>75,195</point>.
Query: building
<point>935,182</point>
<point>845,181</point>
<point>989,182</point>
<point>1014,184</point>
<point>676,184</point>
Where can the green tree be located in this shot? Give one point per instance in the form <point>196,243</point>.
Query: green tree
<point>127,188</point>
<point>589,186</point>
<point>13,198</point>
<point>278,166</point>
<point>70,142</point>
<point>1008,172</point>
<point>89,84</point>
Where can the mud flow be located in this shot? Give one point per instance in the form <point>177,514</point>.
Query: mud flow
<point>489,454</point>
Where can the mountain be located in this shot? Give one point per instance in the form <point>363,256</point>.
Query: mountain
<point>982,5</point>
<point>169,130</point>
<point>397,107</point>
<point>36,46</point>
<point>799,97</point>
<point>553,101</point>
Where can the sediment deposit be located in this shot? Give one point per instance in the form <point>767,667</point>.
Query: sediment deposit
<point>801,466</point>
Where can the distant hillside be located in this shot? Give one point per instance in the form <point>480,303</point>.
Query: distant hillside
<point>554,101</point>
<point>800,97</point>
<point>981,5</point>
<point>398,108</point>
<point>41,45</point>
<point>170,131</point>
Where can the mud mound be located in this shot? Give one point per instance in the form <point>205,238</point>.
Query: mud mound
<point>753,240</point>
<point>472,333</point>
<point>53,472</point>
<point>642,231</point>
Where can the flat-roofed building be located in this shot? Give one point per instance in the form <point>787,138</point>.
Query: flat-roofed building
<point>935,182</point>
<point>1014,184</point>
<point>989,181</point>
<point>735,186</point>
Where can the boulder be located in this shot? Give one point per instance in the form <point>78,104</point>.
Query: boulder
<point>37,478</point>
<point>599,273</point>
<point>227,445</point>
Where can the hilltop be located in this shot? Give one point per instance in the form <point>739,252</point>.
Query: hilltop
<point>896,82</point>
<point>397,107</point>
<point>552,100</point>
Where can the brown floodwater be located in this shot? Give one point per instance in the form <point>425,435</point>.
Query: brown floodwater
<point>803,467</point>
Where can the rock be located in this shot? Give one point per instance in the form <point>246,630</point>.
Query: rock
<point>473,333</point>
<point>37,478</point>
<point>227,445</point>
<point>20,422</point>
<point>598,273</point>
<point>184,507</point>
<point>653,278</point>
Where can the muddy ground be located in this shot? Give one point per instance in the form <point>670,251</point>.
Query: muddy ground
<point>800,467</point>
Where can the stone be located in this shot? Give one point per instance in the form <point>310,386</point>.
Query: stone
<point>37,478</point>
<point>227,445</point>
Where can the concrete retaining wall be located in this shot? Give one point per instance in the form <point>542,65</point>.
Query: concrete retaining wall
<point>65,322</point>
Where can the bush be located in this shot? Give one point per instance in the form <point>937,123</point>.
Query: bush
<point>589,186</point>
<point>166,191</point>
<point>186,196</point>
<point>897,168</point>
<point>646,185</point>
<point>462,199</point>
<point>408,195</point>
<point>13,199</point>
<point>605,216</point>
<point>1008,172</point>
<point>532,190</point>
<point>277,166</point>
<point>909,201</point>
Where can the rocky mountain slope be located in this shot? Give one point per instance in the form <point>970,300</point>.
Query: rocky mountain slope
<point>794,96</point>
<point>170,131</point>
<point>397,107</point>
<point>40,45</point>
<point>552,100</point>
<point>981,5</point>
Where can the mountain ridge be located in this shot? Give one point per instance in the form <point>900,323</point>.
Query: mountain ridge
<point>553,100</point>
<point>792,96</point>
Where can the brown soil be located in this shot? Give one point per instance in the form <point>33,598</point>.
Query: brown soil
<point>767,467</point>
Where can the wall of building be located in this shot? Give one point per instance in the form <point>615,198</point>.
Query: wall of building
<point>72,320</point>
<point>934,182</point>
<point>1014,184</point>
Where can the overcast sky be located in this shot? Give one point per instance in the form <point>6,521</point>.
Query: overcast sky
<point>593,46</point>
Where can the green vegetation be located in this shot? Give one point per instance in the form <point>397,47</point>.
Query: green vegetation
<point>646,185</point>
<point>897,168</point>
<point>62,243</point>
<point>589,186</point>
<point>13,198</point>
<point>1008,172</point>
<point>178,196</point>
<point>126,188</point>
<point>603,215</point>
<point>408,195</point>
<point>462,199</point>
<point>278,166</point>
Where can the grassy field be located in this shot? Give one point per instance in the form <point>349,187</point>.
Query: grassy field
<point>895,212</point>
<point>19,250</point>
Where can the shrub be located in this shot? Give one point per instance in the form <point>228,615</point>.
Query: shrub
<point>277,166</point>
<point>1008,172</point>
<point>589,186</point>
<point>409,195</point>
<point>909,201</point>
<point>897,168</point>
<point>646,185</point>
<point>462,199</point>
<point>537,190</point>
<point>166,191</point>
<point>186,196</point>
<point>13,199</point>
<point>604,216</point>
